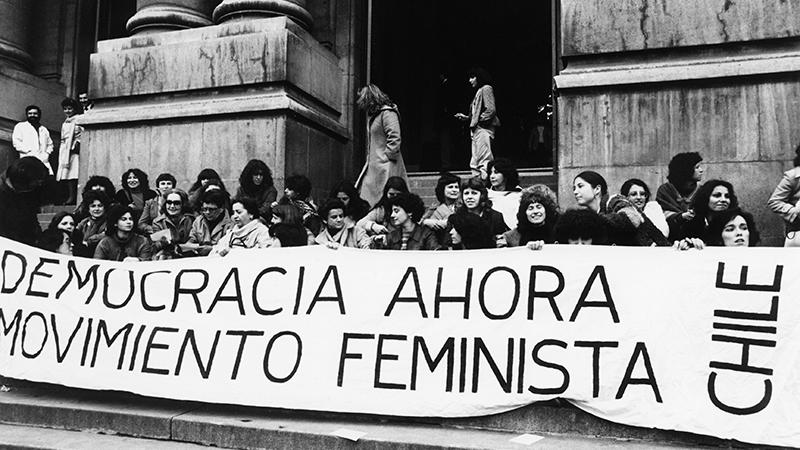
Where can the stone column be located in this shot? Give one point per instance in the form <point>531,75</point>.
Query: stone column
<point>158,16</point>
<point>14,33</point>
<point>240,10</point>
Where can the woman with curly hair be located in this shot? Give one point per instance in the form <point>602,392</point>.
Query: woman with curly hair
<point>256,182</point>
<point>475,200</point>
<point>135,191</point>
<point>94,183</point>
<point>712,198</point>
<point>536,218</point>
<point>384,159</point>
<point>355,206</point>
<point>580,226</point>
<point>337,229</point>
<point>733,228</point>
<point>93,227</point>
<point>675,196</point>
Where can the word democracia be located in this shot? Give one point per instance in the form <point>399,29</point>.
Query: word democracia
<point>276,290</point>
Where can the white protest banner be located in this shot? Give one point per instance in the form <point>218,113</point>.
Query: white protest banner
<point>701,341</point>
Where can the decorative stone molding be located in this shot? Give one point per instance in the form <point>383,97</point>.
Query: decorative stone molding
<point>238,10</point>
<point>160,17</point>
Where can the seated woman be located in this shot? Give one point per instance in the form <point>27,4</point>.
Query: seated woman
<point>580,227</point>
<point>448,196</point>
<point>475,200</point>
<point>205,177</point>
<point>135,191</point>
<point>675,196</point>
<point>732,228</point>
<point>504,190</point>
<point>212,223</point>
<point>287,226</point>
<point>536,218</point>
<point>638,193</point>
<point>97,183</point>
<point>712,198</point>
<point>355,207</point>
<point>175,218</point>
<point>122,243</point>
<point>378,220</point>
<point>298,194</point>
<point>93,227</point>
<point>247,231</point>
<point>468,232</point>
<point>256,182</point>
<point>338,230</point>
<point>621,215</point>
<point>165,182</point>
<point>65,222</point>
<point>407,210</point>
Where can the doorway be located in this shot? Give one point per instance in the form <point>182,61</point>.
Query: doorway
<point>420,54</point>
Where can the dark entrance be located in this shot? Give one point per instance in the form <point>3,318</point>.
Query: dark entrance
<point>421,51</point>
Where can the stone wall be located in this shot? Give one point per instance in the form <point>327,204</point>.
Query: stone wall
<point>648,79</point>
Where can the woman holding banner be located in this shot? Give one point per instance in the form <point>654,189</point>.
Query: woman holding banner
<point>122,243</point>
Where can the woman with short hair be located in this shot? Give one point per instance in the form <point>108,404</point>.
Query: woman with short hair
<point>177,219</point>
<point>248,231</point>
<point>338,230</point>
<point>504,189</point>
<point>407,210</point>
<point>675,196</point>
<point>212,223</point>
<point>165,182</point>
<point>448,196</point>
<point>355,206</point>
<point>638,193</point>
<point>475,200</point>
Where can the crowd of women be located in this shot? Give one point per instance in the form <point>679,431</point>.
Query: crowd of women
<point>136,222</point>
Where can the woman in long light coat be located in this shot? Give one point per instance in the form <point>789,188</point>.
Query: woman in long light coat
<point>384,159</point>
<point>69,151</point>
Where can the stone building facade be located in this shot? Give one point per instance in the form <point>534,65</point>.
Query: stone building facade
<point>190,84</point>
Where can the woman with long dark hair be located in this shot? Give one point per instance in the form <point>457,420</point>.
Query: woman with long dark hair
<point>504,189</point>
<point>384,159</point>
<point>65,222</point>
<point>712,198</point>
<point>122,243</point>
<point>733,228</point>
<point>675,196</point>
<point>378,220</point>
<point>355,207</point>
<point>638,193</point>
<point>475,200</point>
<point>256,182</point>
<point>468,232</point>
<point>135,191</point>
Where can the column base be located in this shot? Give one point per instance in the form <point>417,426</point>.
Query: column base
<point>239,10</point>
<point>161,18</point>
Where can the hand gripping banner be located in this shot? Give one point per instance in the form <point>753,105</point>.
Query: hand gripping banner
<point>701,341</point>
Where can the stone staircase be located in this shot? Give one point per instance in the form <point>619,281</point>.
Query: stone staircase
<point>40,416</point>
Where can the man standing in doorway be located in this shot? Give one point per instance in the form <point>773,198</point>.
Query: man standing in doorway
<point>483,121</point>
<point>86,104</point>
<point>32,139</point>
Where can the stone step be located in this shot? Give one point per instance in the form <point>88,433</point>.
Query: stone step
<point>562,426</point>
<point>424,183</point>
<point>24,437</point>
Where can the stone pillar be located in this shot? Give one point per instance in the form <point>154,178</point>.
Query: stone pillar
<point>238,10</point>
<point>14,33</point>
<point>157,16</point>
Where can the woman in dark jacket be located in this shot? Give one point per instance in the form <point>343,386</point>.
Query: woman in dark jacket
<point>785,202</point>
<point>407,210</point>
<point>93,227</point>
<point>536,218</point>
<point>355,206</point>
<point>475,200</point>
<point>135,191</point>
<point>468,232</point>
<point>675,196</point>
<point>256,182</point>
<point>122,243</point>
<point>176,217</point>
<point>65,222</point>
<point>712,198</point>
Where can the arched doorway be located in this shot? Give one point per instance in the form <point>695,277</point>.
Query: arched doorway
<point>420,52</point>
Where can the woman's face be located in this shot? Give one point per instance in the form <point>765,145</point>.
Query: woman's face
<point>392,193</point>
<point>497,180</point>
<point>125,223</point>
<point>204,182</point>
<point>67,224</point>
<point>736,233</point>
<point>536,213</point>
<point>290,194</point>
<point>698,172</point>
<point>637,196</point>
<point>720,199</point>
<point>580,241</point>
<point>258,178</point>
<point>399,216</point>
<point>96,209</point>
<point>343,197</point>
<point>335,220</point>
<point>165,186</point>
<point>471,198</point>
<point>584,192</point>
<point>173,204</point>
<point>455,238</point>
<point>275,220</point>
<point>473,81</point>
<point>133,181</point>
<point>452,191</point>
<point>240,215</point>
<point>69,111</point>
<point>210,211</point>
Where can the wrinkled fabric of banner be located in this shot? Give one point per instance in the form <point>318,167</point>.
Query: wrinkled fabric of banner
<point>700,341</point>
